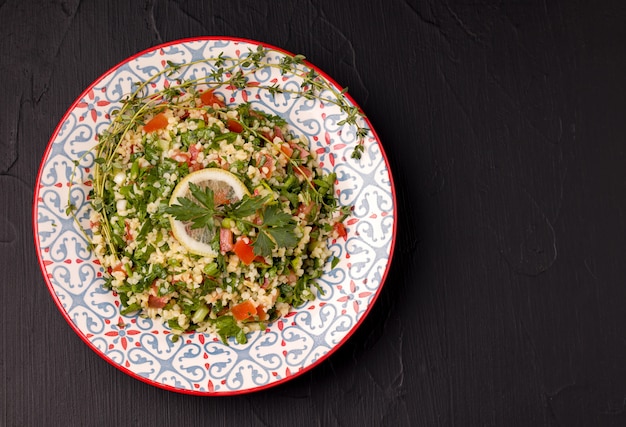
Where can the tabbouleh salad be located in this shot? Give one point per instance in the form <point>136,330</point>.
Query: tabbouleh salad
<point>263,229</point>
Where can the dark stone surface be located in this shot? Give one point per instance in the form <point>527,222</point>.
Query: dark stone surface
<point>504,124</point>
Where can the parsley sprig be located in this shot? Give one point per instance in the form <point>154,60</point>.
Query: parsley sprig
<point>276,228</point>
<point>201,214</point>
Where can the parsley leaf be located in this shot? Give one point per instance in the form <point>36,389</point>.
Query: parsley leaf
<point>277,230</point>
<point>275,217</point>
<point>247,206</point>
<point>188,211</point>
<point>227,327</point>
<point>205,197</point>
<point>200,215</point>
<point>263,245</point>
<point>283,236</point>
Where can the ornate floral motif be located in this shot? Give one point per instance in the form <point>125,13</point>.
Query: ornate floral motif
<point>200,363</point>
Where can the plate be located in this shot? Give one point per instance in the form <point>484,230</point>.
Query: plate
<point>200,363</point>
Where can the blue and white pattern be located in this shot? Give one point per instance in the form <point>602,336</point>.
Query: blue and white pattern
<point>201,363</point>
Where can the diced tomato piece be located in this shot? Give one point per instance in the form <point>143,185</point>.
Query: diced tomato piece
<point>189,157</point>
<point>193,152</point>
<point>260,312</point>
<point>234,126</point>
<point>306,209</point>
<point>340,229</point>
<point>244,310</point>
<point>157,122</point>
<point>286,150</point>
<point>209,98</point>
<point>267,168</point>
<point>261,259</point>
<point>303,171</point>
<point>128,236</point>
<point>226,240</point>
<point>292,278</point>
<point>181,157</point>
<point>119,268</point>
<point>278,133</point>
<point>256,114</point>
<point>156,302</point>
<point>244,251</point>
<point>304,153</point>
<point>268,135</point>
<point>257,218</point>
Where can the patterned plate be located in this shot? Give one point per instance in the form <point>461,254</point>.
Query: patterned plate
<point>200,363</point>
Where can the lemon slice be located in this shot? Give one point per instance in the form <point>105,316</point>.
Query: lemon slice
<point>226,188</point>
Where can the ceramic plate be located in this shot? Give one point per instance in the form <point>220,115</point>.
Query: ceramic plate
<point>200,363</point>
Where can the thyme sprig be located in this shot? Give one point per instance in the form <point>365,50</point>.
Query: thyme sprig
<point>228,72</point>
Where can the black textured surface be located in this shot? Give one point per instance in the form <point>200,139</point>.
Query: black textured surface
<point>504,124</point>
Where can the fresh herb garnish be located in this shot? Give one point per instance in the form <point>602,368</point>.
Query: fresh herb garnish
<point>227,327</point>
<point>277,227</point>
<point>199,214</point>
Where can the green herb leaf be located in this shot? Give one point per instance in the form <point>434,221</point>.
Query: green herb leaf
<point>227,327</point>
<point>188,211</point>
<point>200,215</point>
<point>263,245</point>
<point>247,206</point>
<point>283,236</point>
<point>273,216</point>
<point>206,197</point>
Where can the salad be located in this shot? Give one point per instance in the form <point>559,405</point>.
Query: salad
<point>211,217</point>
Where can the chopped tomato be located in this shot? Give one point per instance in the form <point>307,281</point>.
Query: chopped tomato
<point>193,152</point>
<point>278,133</point>
<point>181,157</point>
<point>226,240</point>
<point>244,251</point>
<point>256,114</point>
<point>156,302</point>
<point>292,278</point>
<point>267,168</point>
<point>260,312</point>
<point>157,122</point>
<point>268,135</point>
<point>193,163</point>
<point>244,310</point>
<point>306,209</point>
<point>209,98</point>
<point>119,268</point>
<point>128,235</point>
<point>340,229</point>
<point>304,153</point>
<point>303,171</point>
<point>286,150</point>
<point>234,126</point>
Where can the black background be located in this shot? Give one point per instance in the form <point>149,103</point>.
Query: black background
<point>504,123</point>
